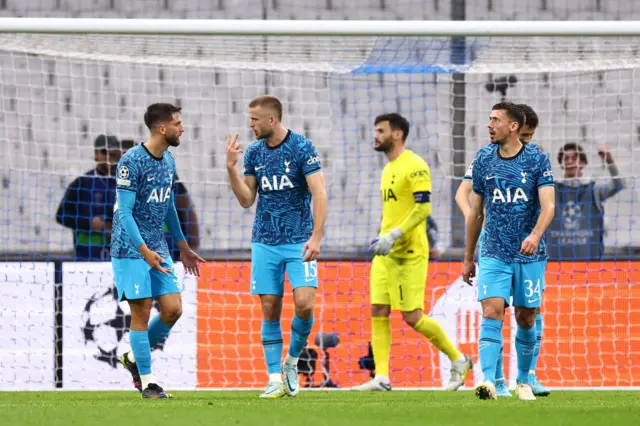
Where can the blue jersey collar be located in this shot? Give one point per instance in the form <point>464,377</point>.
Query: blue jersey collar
<point>286,138</point>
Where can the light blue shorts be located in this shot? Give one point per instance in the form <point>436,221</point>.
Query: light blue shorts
<point>269,263</point>
<point>136,279</point>
<point>523,281</point>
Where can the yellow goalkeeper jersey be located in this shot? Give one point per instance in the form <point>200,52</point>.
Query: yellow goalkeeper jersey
<point>401,179</point>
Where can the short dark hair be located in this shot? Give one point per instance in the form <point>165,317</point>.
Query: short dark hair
<point>268,102</point>
<point>572,146</point>
<point>396,122</point>
<point>530,116</point>
<point>127,144</point>
<point>514,112</point>
<point>159,112</point>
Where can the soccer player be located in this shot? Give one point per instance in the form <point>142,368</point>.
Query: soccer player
<point>463,195</point>
<point>401,251</point>
<point>142,267</point>
<point>283,167</point>
<point>517,182</point>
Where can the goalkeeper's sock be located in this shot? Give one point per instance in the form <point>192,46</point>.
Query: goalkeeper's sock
<point>432,330</point>
<point>272,347</point>
<point>536,351</point>
<point>381,344</point>
<point>158,331</point>
<point>499,365</point>
<point>141,351</point>
<point>300,330</point>
<point>525,346</point>
<point>489,346</point>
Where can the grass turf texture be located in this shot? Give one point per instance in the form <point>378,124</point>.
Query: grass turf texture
<point>317,408</point>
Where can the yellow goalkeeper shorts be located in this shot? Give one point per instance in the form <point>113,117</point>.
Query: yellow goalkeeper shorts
<point>398,283</point>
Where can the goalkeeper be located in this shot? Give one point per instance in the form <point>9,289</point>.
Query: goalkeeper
<point>402,251</point>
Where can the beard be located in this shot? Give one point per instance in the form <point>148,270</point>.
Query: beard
<point>263,134</point>
<point>172,141</point>
<point>499,141</point>
<point>383,146</point>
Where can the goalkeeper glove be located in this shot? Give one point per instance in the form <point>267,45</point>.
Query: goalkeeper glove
<point>382,245</point>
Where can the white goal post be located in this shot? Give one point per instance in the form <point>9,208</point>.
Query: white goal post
<point>277,27</point>
<point>65,81</point>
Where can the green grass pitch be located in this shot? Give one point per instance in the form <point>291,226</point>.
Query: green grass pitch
<point>337,408</point>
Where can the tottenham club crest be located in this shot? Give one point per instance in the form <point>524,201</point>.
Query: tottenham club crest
<point>123,173</point>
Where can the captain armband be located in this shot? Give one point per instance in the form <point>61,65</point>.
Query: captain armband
<point>422,197</point>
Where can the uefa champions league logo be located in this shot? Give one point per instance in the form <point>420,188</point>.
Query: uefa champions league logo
<point>571,214</point>
<point>123,172</point>
<point>105,324</point>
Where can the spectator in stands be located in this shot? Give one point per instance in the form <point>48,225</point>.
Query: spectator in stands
<point>87,206</point>
<point>432,237</point>
<point>188,220</point>
<point>186,213</point>
<point>127,144</point>
<point>577,230</point>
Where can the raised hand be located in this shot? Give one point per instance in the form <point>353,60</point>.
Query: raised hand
<point>233,149</point>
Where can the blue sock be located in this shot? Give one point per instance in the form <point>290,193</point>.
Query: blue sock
<point>141,350</point>
<point>158,331</point>
<point>300,330</point>
<point>525,346</point>
<point>272,345</point>
<point>489,347</point>
<point>499,369</point>
<point>536,351</point>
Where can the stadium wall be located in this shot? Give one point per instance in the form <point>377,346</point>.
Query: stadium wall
<point>62,330</point>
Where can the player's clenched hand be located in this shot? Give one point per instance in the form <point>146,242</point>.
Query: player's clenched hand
<point>155,261</point>
<point>468,272</point>
<point>190,261</point>
<point>311,250</point>
<point>382,245</point>
<point>233,149</point>
<point>529,245</point>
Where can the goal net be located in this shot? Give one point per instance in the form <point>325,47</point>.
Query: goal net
<point>59,92</point>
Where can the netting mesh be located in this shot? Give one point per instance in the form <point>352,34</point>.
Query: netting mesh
<point>60,92</point>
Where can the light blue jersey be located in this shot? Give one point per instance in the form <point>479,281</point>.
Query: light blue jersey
<point>152,179</point>
<point>512,205</point>
<point>144,203</point>
<point>284,221</point>
<point>283,215</point>
<point>510,190</point>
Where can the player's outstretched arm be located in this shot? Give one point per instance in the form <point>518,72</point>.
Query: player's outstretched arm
<point>316,185</point>
<point>462,197</point>
<point>547,196</point>
<point>474,226</point>
<point>188,257</point>
<point>245,189</point>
